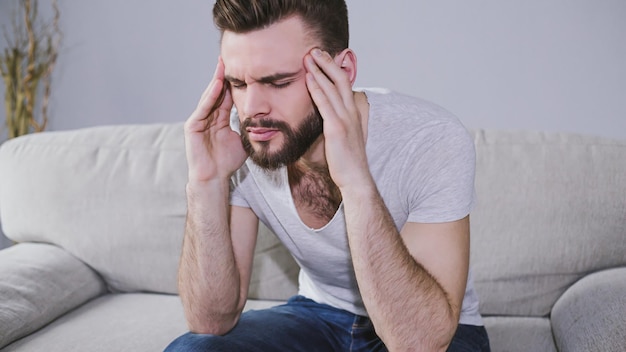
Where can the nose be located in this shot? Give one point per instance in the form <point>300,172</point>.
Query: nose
<point>256,103</point>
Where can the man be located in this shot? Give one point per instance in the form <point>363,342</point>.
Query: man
<point>369,190</point>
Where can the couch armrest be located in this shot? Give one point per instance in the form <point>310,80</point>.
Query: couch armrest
<point>590,314</point>
<point>38,283</point>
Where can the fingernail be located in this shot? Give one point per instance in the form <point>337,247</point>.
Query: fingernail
<point>317,52</point>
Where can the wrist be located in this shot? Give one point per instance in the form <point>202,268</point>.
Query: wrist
<point>207,189</point>
<point>359,191</point>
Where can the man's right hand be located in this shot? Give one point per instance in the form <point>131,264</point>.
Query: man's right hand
<point>214,150</point>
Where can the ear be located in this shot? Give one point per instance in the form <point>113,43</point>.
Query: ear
<point>347,61</point>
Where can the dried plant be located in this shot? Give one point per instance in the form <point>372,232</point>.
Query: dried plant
<point>26,67</point>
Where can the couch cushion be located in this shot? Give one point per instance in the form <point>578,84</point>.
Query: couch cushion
<point>129,322</point>
<point>114,196</point>
<point>551,208</point>
<point>115,322</point>
<point>38,283</point>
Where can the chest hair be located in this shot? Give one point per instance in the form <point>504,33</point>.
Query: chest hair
<point>315,195</point>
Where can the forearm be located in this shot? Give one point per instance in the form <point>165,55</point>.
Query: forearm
<point>209,280</point>
<point>409,308</point>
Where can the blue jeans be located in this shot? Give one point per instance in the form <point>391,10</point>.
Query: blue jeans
<point>304,325</point>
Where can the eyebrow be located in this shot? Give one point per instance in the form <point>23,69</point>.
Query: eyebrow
<point>267,79</point>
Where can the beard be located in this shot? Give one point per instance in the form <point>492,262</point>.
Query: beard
<point>296,141</point>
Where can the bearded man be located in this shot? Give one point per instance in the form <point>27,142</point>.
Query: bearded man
<point>370,190</point>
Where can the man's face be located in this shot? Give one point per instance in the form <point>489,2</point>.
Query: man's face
<point>265,69</point>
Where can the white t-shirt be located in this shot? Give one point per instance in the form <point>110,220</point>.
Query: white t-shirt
<point>422,160</point>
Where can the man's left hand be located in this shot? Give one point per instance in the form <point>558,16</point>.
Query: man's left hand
<point>331,90</point>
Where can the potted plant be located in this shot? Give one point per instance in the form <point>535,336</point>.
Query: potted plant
<point>26,65</point>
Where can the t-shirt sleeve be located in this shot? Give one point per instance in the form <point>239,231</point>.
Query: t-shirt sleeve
<point>236,185</point>
<point>440,181</point>
<point>241,176</point>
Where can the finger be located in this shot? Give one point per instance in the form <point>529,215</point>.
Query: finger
<point>324,106</point>
<point>324,81</point>
<point>334,83</point>
<point>333,72</point>
<point>213,90</point>
<point>222,112</point>
<point>218,75</point>
<point>213,99</point>
<point>323,91</point>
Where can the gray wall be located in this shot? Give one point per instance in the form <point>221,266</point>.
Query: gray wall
<point>556,65</point>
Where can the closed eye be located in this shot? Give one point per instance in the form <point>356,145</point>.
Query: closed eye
<point>277,81</point>
<point>280,85</point>
<point>237,84</point>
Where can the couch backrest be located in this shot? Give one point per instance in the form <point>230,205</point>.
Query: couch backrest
<point>551,208</point>
<point>114,197</point>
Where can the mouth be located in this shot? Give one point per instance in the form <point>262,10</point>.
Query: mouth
<point>261,134</point>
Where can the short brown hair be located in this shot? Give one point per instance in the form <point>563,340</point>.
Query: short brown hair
<point>327,20</point>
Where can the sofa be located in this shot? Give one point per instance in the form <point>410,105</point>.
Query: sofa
<point>97,217</point>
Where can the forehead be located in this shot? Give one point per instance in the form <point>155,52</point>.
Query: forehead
<point>277,48</point>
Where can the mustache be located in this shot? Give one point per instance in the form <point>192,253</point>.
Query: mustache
<point>264,123</point>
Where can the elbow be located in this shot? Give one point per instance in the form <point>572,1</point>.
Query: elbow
<point>208,329</point>
<point>212,327</point>
<point>448,329</point>
<point>214,324</point>
<point>437,337</point>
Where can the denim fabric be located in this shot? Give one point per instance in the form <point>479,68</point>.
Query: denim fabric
<point>470,338</point>
<point>304,325</point>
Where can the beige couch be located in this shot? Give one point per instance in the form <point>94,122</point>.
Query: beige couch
<point>99,213</point>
